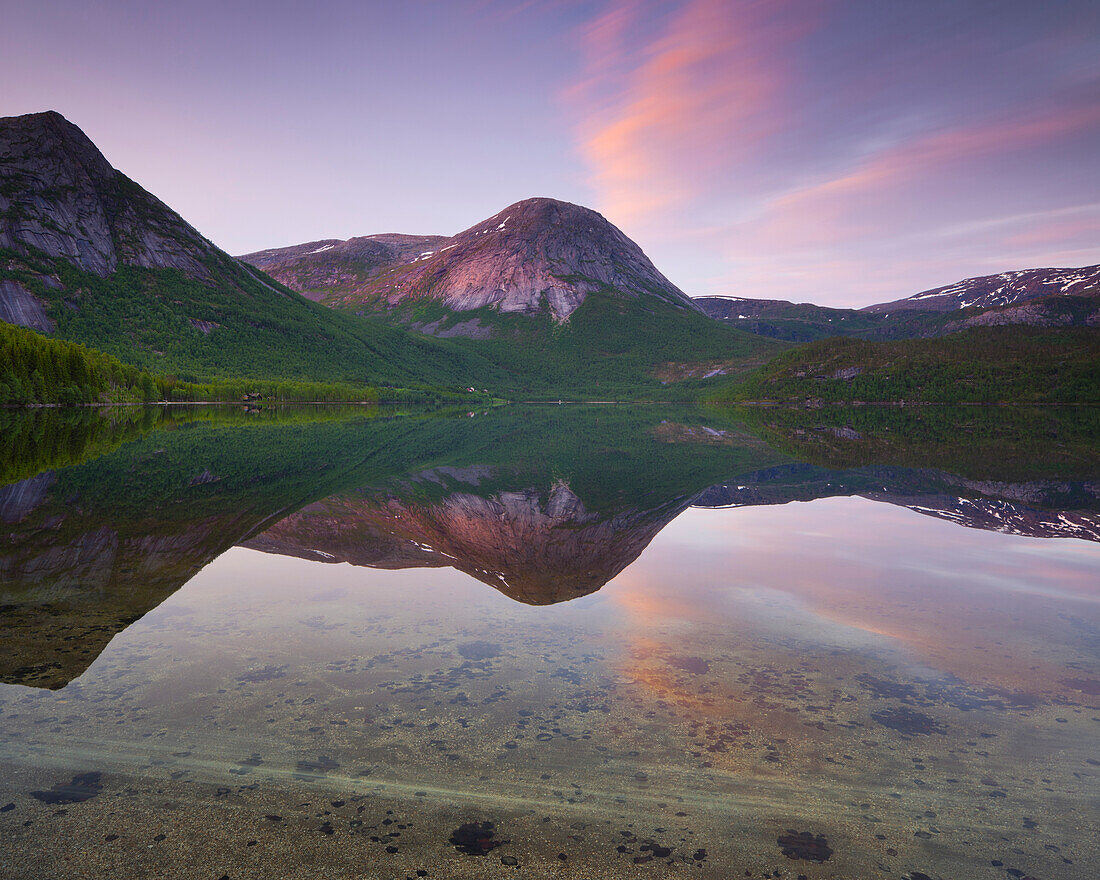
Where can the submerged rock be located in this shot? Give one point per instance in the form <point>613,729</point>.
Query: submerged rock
<point>804,845</point>
<point>83,787</point>
<point>475,838</point>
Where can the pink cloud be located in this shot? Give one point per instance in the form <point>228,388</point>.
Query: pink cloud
<point>754,152</point>
<point>656,120</point>
<point>850,203</point>
<point>1053,233</point>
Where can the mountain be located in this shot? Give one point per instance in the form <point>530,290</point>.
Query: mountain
<point>535,544</point>
<point>321,268</point>
<point>536,255</point>
<point>1035,297</point>
<point>87,254</point>
<point>62,199</point>
<point>997,291</point>
<point>779,319</point>
<point>549,293</point>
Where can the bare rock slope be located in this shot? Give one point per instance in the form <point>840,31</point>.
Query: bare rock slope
<point>538,254</point>
<point>60,196</point>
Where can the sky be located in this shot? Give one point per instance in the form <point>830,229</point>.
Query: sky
<point>842,152</point>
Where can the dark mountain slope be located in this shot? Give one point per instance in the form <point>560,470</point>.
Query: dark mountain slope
<point>59,197</point>
<point>779,319</point>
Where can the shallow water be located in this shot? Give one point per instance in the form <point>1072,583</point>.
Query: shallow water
<point>426,672</point>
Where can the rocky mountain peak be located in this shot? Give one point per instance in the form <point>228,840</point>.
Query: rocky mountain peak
<point>60,196</point>
<point>536,255</point>
<point>58,141</point>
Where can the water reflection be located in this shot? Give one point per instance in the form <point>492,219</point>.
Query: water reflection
<point>677,665</point>
<point>551,508</point>
<point>536,544</point>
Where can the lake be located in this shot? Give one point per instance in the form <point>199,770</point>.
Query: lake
<point>560,641</point>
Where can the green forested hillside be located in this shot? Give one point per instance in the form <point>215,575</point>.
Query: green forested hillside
<point>36,369</point>
<point>159,335</point>
<point>1014,364</point>
<point>612,347</point>
<point>238,325</point>
<point>168,324</point>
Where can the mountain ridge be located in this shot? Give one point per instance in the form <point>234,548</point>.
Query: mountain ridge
<point>1025,297</point>
<point>999,290</point>
<point>347,262</point>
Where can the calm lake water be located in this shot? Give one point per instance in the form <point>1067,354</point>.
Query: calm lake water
<point>572,642</point>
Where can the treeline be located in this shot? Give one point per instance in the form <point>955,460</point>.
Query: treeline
<point>37,370</point>
<point>245,390</point>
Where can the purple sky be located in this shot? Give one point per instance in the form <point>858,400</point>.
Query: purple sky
<point>837,152</point>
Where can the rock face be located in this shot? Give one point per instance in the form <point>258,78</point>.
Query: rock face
<point>59,195</point>
<point>1005,289</point>
<point>19,306</point>
<point>536,255</point>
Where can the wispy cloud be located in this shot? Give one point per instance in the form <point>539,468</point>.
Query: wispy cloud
<point>824,151</point>
<point>671,95</point>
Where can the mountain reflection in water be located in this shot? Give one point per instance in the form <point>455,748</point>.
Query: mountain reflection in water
<point>92,548</point>
<point>847,684</point>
